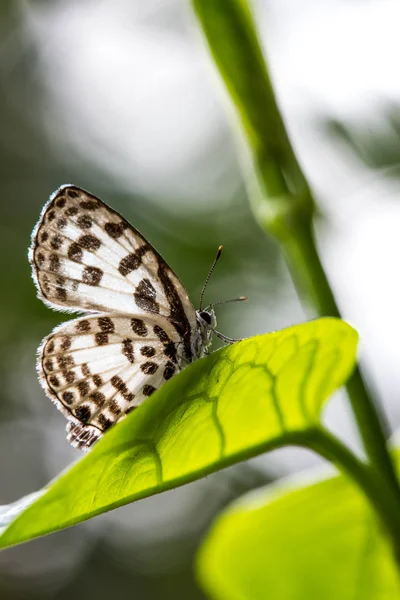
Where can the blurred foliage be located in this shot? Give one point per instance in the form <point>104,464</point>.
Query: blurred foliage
<point>377,144</point>
<point>331,546</point>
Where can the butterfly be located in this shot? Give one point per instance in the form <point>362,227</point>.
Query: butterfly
<point>139,326</point>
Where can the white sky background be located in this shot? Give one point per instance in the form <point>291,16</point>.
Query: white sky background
<point>131,89</point>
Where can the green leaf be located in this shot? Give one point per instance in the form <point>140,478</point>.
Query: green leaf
<point>298,542</point>
<point>241,401</point>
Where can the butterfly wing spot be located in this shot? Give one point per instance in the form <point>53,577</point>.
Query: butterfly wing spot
<point>68,397</point>
<point>69,376</point>
<point>168,371</point>
<point>65,343</point>
<point>75,252</point>
<point>101,338</point>
<point>64,362</point>
<point>89,204</point>
<point>84,222</point>
<point>86,372</point>
<point>104,422</point>
<point>71,211</point>
<point>56,242</point>
<point>92,275</point>
<point>160,333</point>
<point>98,398</point>
<point>148,390</point>
<point>170,351</point>
<point>83,388</point>
<point>48,365</point>
<point>61,223</point>
<point>88,242</point>
<point>147,351</point>
<point>61,294</point>
<point>97,380</point>
<point>149,367</point>
<point>114,408</point>
<point>61,202</point>
<point>55,382</point>
<point>169,347</point>
<point>119,385</point>
<point>115,230</point>
<point>83,326</point>
<point>127,350</point>
<point>54,263</point>
<point>132,261</point>
<point>139,327</point>
<point>106,324</point>
<point>145,296</point>
<point>83,413</point>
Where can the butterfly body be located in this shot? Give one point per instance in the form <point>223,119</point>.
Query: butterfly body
<point>139,327</point>
<point>206,324</point>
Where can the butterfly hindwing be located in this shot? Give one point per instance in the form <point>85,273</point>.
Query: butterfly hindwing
<point>99,368</point>
<point>86,257</point>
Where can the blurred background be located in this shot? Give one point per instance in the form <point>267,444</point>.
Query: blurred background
<point>121,98</point>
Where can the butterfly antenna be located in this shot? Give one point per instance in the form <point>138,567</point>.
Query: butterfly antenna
<point>209,275</point>
<point>240,299</point>
<point>221,336</point>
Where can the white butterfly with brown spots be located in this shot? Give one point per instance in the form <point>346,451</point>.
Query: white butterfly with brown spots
<point>140,327</point>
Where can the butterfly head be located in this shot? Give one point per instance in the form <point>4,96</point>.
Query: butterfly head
<point>206,319</point>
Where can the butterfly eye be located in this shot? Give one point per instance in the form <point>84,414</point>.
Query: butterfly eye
<point>206,317</point>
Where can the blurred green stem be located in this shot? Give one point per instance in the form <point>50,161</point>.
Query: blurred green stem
<point>285,207</point>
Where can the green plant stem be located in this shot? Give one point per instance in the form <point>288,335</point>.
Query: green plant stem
<point>285,207</point>
<point>375,486</point>
<point>303,259</point>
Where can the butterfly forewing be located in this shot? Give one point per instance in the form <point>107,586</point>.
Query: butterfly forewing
<point>86,257</point>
